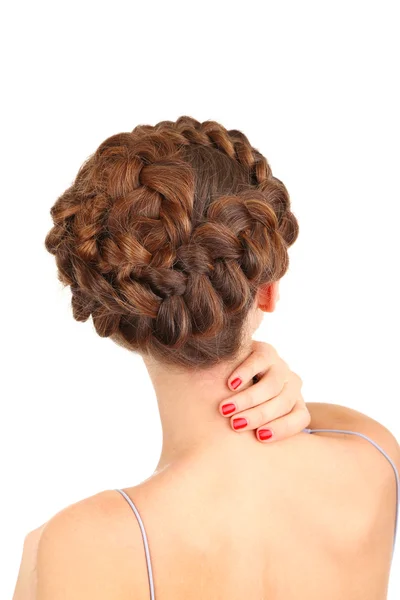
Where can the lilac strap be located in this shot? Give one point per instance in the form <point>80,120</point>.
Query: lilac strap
<point>145,542</point>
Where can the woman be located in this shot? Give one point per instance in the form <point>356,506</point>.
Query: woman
<point>174,239</point>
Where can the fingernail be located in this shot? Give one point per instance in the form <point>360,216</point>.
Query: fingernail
<point>265,434</point>
<point>239,423</point>
<point>227,409</point>
<point>236,382</point>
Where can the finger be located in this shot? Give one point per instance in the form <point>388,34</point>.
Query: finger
<point>287,425</point>
<point>261,358</point>
<point>270,385</point>
<point>266,412</point>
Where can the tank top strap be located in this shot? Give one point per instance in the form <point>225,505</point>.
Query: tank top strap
<point>145,542</point>
<point>381,450</point>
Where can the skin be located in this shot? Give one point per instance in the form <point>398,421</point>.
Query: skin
<point>190,428</point>
<point>319,507</point>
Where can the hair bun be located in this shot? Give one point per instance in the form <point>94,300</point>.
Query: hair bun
<point>165,236</point>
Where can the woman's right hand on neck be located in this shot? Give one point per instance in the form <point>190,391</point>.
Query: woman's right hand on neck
<point>273,406</point>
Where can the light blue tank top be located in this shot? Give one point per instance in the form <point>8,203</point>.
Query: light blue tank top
<point>144,536</point>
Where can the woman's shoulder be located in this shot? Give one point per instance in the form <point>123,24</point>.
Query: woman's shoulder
<point>360,476</point>
<point>343,418</point>
<point>92,542</point>
<point>336,416</point>
<point>91,516</point>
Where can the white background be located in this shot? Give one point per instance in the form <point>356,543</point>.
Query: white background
<point>315,87</point>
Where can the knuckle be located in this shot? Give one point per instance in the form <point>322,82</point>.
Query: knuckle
<point>298,379</point>
<point>295,379</point>
<point>275,382</point>
<point>260,356</point>
<point>301,402</point>
<point>264,414</point>
<point>278,407</point>
<point>287,406</point>
<point>284,428</point>
<point>263,349</point>
<point>244,400</point>
<point>289,401</point>
<point>306,417</point>
<point>251,397</point>
<point>283,403</point>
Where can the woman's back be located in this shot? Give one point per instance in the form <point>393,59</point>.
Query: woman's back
<point>309,517</point>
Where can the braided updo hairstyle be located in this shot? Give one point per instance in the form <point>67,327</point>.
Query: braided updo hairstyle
<point>166,235</point>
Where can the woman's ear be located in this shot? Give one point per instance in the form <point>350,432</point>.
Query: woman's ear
<point>268,296</point>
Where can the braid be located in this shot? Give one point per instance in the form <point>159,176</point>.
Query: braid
<point>165,236</point>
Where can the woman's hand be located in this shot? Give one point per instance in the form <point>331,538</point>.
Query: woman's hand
<point>273,406</point>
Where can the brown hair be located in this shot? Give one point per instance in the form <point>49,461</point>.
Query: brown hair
<point>165,236</point>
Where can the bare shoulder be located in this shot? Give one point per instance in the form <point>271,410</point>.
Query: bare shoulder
<point>370,464</point>
<point>335,416</point>
<point>92,515</point>
<point>89,549</point>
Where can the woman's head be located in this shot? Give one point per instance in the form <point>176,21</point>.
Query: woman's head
<point>166,236</point>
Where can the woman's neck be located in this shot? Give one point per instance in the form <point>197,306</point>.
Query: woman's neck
<point>188,404</point>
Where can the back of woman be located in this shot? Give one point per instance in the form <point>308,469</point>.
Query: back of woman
<point>310,517</point>
<point>174,238</point>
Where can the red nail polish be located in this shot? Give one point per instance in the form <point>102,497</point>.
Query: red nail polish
<point>239,423</point>
<point>264,434</point>
<point>236,382</point>
<point>227,409</point>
